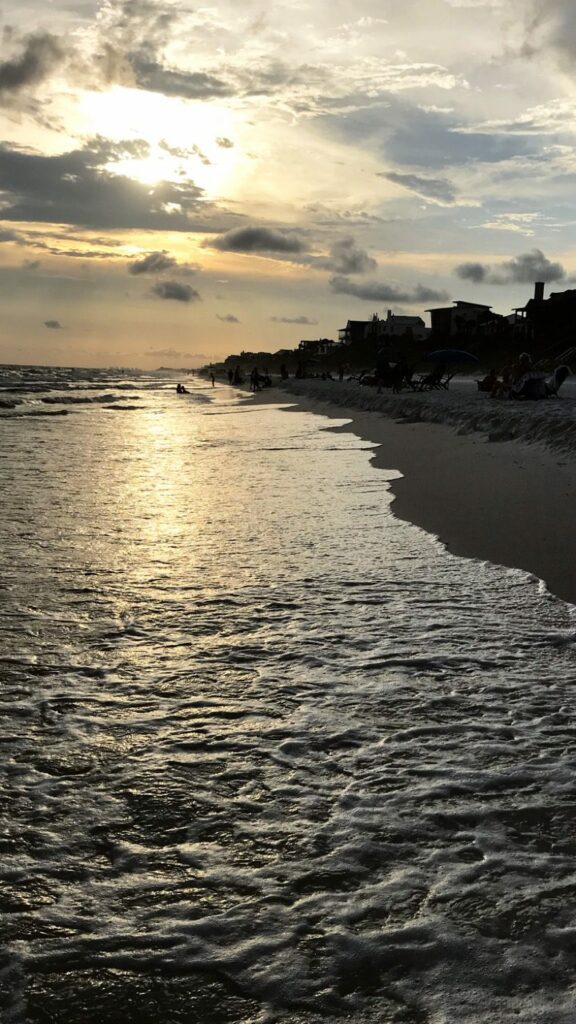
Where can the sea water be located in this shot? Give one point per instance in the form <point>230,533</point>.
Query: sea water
<point>268,753</point>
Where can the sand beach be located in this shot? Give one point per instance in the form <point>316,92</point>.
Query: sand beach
<point>493,479</point>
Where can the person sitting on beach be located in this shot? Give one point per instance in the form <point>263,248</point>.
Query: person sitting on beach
<point>489,382</point>
<point>526,382</point>
<point>512,376</point>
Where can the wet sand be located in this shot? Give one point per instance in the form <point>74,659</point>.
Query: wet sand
<point>507,502</point>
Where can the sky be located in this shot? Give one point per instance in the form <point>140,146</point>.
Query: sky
<point>179,182</point>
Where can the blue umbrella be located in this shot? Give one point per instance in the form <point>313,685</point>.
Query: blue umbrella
<point>451,355</point>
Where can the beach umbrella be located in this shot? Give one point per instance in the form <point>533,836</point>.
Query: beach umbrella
<point>451,355</point>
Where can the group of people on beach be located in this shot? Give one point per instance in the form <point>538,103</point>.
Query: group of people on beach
<point>522,380</point>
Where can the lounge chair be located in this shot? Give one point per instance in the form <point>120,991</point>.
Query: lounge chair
<point>535,385</point>
<point>437,380</point>
<point>555,382</point>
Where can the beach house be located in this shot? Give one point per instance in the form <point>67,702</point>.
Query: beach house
<point>548,325</point>
<point>396,326</point>
<point>459,322</point>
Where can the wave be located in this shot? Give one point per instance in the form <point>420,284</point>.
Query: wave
<point>79,400</point>
<point>34,412</point>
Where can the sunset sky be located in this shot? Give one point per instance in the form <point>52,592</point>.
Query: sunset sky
<point>180,182</point>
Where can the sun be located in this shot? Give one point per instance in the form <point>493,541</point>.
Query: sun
<point>185,139</point>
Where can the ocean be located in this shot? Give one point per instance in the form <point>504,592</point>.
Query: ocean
<point>269,754</point>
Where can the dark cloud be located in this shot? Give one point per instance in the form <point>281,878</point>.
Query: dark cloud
<point>476,272</point>
<point>229,318</point>
<point>257,239</point>
<point>376,291</point>
<point>439,190</point>
<point>75,188</point>
<point>134,37</point>
<point>7,235</point>
<point>550,26</point>
<point>75,254</point>
<point>196,85</point>
<point>41,54</point>
<point>53,325</point>
<point>176,290</point>
<point>185,154</point>
<point>347,258</point>
<point>292,320</point>
<point>153,263</point>
<point>523,269</point>
<point>407,135</point>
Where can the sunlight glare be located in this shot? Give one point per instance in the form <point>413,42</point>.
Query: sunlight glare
<point>187,139</point>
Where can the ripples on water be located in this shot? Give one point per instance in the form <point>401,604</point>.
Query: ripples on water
<point>268,754</point>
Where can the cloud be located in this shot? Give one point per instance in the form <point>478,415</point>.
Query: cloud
<point>197,85</point>
<point>523,269</point>
<point>403,133</point>
<point>476,272</point>
<point>292,320</point>
<point>41,53</point>
<point>153,263</point>
<point>134,35</point>
<point>7,235</point>
<point>53,325</point>
<point>224,143</point>
<point>519,223</point>
<point>551,118</point>
<point>257,239</point>
<point>376,291</point>
<point>439,190</point>
<point>347,258</point>
<point>229,318</point>
<point>176,290</point>
<point>174,353</point>
<point>550,26</point>
<point>77,188</point>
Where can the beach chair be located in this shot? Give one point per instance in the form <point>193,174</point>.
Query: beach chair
<point>437,380</point>
<point>555,382</point>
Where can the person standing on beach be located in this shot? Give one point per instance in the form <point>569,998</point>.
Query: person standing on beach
<point>213,379</point>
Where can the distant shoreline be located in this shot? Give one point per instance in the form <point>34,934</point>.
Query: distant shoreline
<point>505,501</point>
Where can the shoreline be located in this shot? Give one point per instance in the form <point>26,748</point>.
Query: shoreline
<point>484,497</point>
